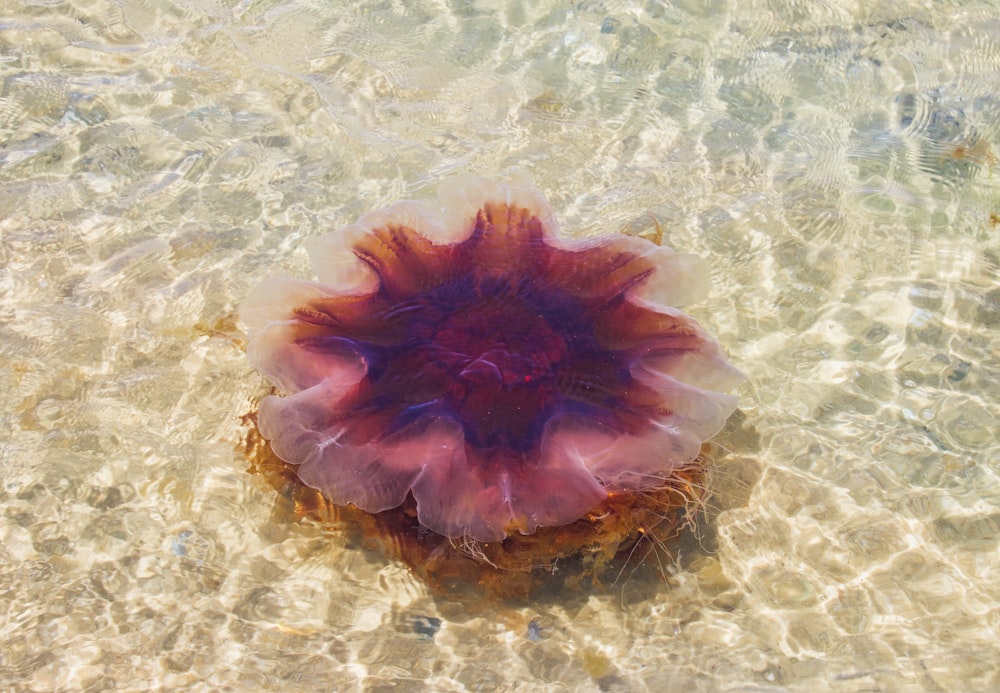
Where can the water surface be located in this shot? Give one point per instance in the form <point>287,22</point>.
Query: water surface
<point>838,164</point>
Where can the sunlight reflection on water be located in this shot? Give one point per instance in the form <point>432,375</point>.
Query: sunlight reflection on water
<point>837,166</point>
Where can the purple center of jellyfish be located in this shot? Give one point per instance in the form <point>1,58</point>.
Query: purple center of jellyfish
<point>500,350</point>
<point>488,351</point>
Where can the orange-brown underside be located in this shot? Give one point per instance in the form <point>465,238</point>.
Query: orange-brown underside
<point>594,546</point>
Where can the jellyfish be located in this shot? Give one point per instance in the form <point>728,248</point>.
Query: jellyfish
<point>464,356</point>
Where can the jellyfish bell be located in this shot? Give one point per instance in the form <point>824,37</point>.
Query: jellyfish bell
<point>465,357</point>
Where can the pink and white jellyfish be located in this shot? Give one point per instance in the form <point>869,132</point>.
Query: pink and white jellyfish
<point>464,352</point>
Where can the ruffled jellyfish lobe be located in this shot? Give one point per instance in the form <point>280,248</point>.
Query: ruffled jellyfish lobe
<point>280,319</point>
<point>466,354</point>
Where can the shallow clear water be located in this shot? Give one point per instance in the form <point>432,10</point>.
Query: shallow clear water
<point>838,163</point>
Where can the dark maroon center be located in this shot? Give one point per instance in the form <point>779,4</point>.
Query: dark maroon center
<point>491,352</point>
<point>500,332</point>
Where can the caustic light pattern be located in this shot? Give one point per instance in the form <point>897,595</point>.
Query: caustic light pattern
<point>464,352</point>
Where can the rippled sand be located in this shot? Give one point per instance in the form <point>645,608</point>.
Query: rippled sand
<point>838,165</point>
